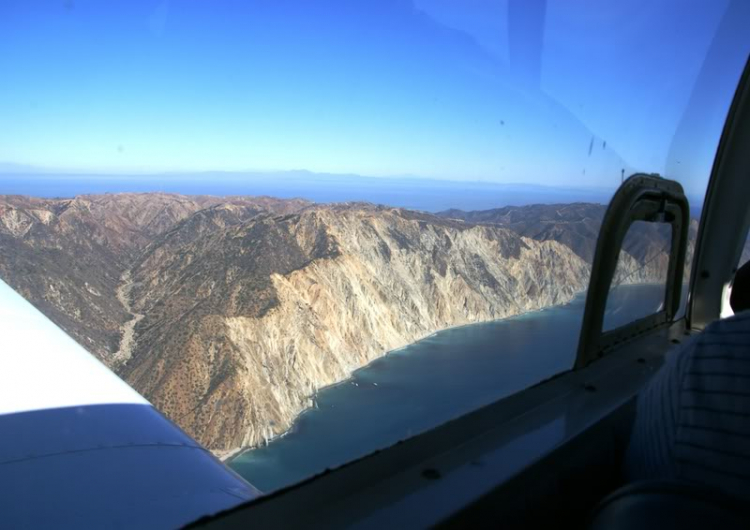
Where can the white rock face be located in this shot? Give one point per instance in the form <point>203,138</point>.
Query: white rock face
<point>15,221</point>
<point>228,314</point>
<point>393,280</point>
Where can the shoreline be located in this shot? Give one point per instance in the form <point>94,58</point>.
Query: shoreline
<point>227,456</point>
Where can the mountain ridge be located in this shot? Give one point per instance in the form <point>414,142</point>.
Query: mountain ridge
<point>229,313</point>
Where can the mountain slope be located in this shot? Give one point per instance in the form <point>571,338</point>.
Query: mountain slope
<point>576,225</point>
<point>67,256</point>
<point>276,307</point>
<point>229,313</point>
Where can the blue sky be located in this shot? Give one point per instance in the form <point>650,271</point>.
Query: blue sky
<point>558,92</point>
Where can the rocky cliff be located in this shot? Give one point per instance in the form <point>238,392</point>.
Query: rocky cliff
<point>244,322</point>
<point>646,247</point>
<point>228,314</point>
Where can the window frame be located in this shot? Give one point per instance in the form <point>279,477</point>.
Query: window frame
<point>640,198</point>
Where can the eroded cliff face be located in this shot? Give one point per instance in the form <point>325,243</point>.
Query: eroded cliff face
<point>228,314</point>
<point>272,309</point>
<point>645,249</point>
<point>68,256</point>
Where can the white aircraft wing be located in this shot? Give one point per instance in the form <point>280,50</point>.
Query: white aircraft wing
<point>79,448</point>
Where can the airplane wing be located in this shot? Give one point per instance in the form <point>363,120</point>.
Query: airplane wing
<point>81,448</point>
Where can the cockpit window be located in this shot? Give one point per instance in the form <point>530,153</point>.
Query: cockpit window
<point>639,286</point>
<point>307,230</point>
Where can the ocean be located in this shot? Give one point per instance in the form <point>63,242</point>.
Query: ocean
<point>408,192</point>
<point>429,382</point>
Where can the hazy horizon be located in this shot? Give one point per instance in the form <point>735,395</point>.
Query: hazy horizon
<point>424,88</point>
<point>409,192</point>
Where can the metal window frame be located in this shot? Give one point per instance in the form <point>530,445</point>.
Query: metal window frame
<point>725,216</point>
<point>641,197</point>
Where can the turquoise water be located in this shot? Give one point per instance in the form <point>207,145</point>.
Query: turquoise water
<point>425,384</point>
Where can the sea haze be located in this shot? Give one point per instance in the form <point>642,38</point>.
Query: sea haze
<point>407,192</point>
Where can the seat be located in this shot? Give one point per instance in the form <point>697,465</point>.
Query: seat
<point>659,504</point>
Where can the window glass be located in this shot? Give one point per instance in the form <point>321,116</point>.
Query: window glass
<point>307,230</point>
<point>639,286</point>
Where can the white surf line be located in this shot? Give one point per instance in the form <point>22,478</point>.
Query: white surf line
<point>226,455</point>
<point>128,328</point>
